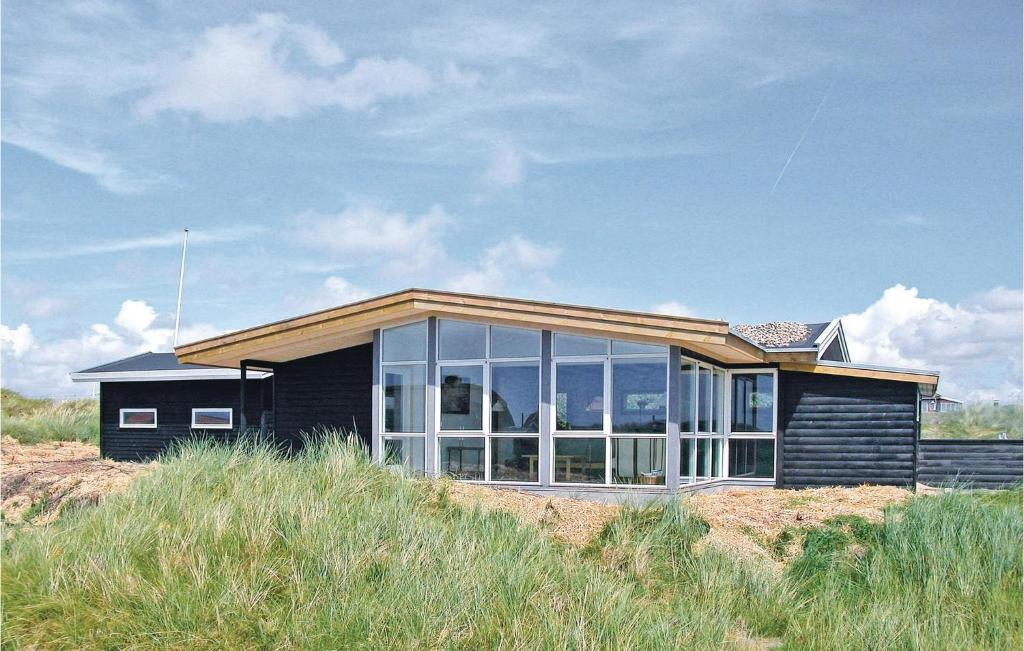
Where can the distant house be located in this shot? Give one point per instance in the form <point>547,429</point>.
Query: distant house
<point>550,398</point>
<point>941,404</point>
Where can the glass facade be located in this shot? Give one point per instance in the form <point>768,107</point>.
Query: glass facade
<point>405,452</point>
<point>752,458</point>
<point>515,459</point>
<point>462,398</point>
<point>462,457</point>
<point>579,396</point>
<point>405,397</point>
<point>579,461</point>
<point>639,395</point>
<point>515,397</point>
<point>638,461</point>
<point>753,402</point>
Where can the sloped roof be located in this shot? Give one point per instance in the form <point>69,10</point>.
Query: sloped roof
<point>782,334</point>
<point>143,362</point>
<point>152,367</point>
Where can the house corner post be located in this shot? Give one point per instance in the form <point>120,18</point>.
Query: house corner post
<point>672,445</point>
<point>242,424</point>
<point>430,447</point>
<point>546,447</point>
<point>376,442</point>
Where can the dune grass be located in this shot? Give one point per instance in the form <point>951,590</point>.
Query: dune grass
<point>974,421</point>
<point>226,548</point>
<point>36,420</point>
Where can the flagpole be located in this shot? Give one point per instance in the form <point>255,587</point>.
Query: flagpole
<point>181,283</point>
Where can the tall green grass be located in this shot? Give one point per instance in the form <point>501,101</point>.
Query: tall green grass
<point>35,420</point>
<point>975,421</point>
<point>225,548</point>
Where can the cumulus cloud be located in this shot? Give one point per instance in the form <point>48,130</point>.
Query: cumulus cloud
<point>975,344</point>
<point>401,244</point>
<point>272,67</point>
<point>334,291</point>
<point>515,259</point>
<point>41,367</point>
<point>672,308</point>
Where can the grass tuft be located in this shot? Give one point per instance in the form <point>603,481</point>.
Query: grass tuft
<point>37,420</point>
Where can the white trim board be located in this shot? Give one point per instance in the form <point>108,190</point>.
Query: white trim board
<point>164,375</point>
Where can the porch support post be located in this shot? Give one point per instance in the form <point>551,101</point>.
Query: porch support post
<point>672,447</point>
<point>242,425</point>
<point>430,451</point>
<point>546,447</point>
<point>376,442</point>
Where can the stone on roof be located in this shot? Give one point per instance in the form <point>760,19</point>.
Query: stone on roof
<point>781,334</point>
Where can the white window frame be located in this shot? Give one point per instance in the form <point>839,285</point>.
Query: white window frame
<point>606,432</point>
<point>382,408</point>
<point>485,421</point>
<point>772,435</point>
<point>137,410</point>
<point>231,418</point>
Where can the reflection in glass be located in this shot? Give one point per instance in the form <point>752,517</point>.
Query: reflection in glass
<point>462,457</point>
<point>404,397</point>
<point>686,458</point>
<point>515,397</point>
<point>638,461</point>
<point>703,458</point>
<point>514,459</point>
<point>461,340</point>
<point>579,396</point>
<point>686,398</point>
<point>406,452</point>
<point>639,395</point>
<point>633,348</point>
<point>406,343</point>
<point>514,342</point>
<point>462,398</point>
<point>751,458</point>
<point>753,402</point>
<point>579,461</point>
<point>575,345</point>
<point>703,400</point>
<point>718,402</point>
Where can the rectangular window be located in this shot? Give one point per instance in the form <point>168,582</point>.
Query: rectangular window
<point>579,396</point>
<point>404,397</point>
<point>515,397</point>
<point>212,418</point>
<point>462,398</point>
<point>717,402</point>
<point>462,457</point>
<point>138,418</point>
<point>406,452</point>
<point>514,342</point>
<point>579,460</point>
<point>686,397</point>
<point>686,459</point>
<point>639,395</point>
<point>704,400</point>
<point>461,340</point>
<point>406,343</point>
<point>633,348</point>
<point>577,346</point>
<point>515,459</point>
<point>753,402</point>
<point>703,458</point>
<point>638,461</point>
<point>752,458</point>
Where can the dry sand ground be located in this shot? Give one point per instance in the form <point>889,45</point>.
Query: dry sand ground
<point>744,522</point>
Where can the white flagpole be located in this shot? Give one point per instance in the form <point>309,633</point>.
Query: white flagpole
<point>181,283</point>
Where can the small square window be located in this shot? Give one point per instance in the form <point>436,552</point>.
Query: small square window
<point>138,418</point>
<point>212,418</point>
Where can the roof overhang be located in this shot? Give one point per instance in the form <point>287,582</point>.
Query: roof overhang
<point>353,324</point>
<point>166,375</point>
<point>928,381</point>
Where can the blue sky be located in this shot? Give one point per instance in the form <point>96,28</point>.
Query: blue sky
<point>749,161</point>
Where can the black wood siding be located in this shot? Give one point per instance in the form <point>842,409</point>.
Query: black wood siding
<point>174,401</point>
<point>328,390</point>
<point>978,464</point>
<point>841,431</point>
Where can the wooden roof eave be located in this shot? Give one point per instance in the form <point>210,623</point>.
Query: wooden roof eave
<point>927,379</point>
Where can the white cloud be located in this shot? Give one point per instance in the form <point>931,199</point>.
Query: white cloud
<point>273,68</point>
<point>514,260</point>
<point>506,167</point>
<point>165,240</point>
<point>42,367</point>
<point>672,308</point>
<point>400,243</point>
<point>47,306</point>
<point>334,291</point>
<point>975,344</point>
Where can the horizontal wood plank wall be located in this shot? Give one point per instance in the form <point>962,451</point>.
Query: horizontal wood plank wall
<point>977,464</point>
<point>843,431</point>
<point>174,401</point>
<point>332,389</point>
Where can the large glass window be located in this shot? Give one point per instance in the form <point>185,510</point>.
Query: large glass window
<point>514,342</point>
<point>717,402</point>
<point>406,343</point>
<point>461,340</point>
<point>462,398</point>
<point>515,397</point>
<point>633,348</point>
<point>687,387</point>
<point>704,400</point>
<point>579,396</point>
<point>577,346</point>
<point>752,458</point>
<point>709,458</point>
<point>514,458</point>
<point>753,402</point>
<point>462,457</point>
<point>405,452</point>
<point>404,397</point>
<point>579,460</point>
<point>639,395</point>
<point>686,459</point>
<point>638,461</point>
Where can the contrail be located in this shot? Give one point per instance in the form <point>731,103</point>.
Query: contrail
<point>802,136</point>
